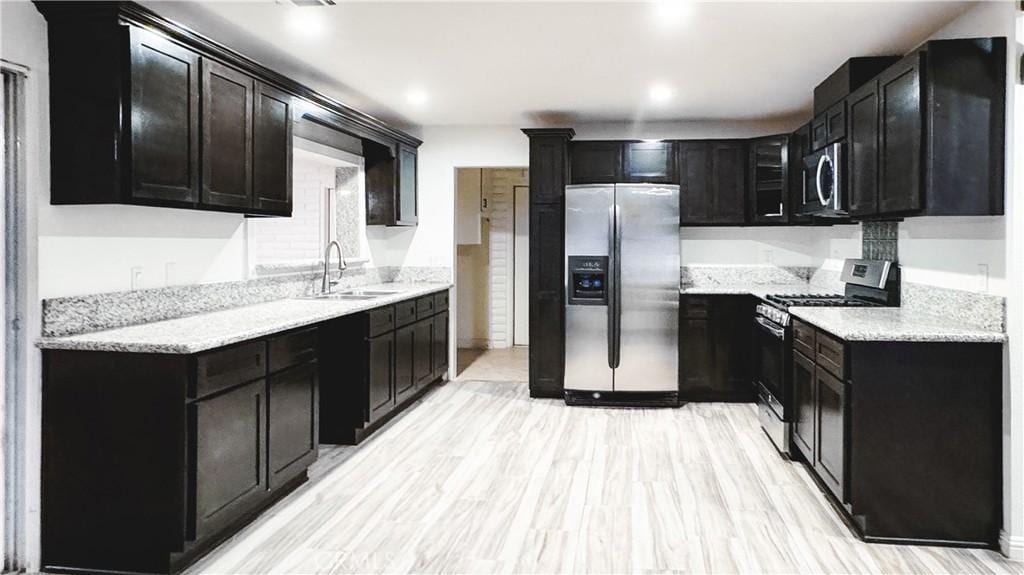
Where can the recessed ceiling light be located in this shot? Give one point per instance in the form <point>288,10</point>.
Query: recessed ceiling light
<point>668,13</point>
<point>417,97</point>
<point>660,93</point>
<point>306,23</point>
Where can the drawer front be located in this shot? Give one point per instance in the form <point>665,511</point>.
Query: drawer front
<point>425,307</point>
<point>292,349</point>
<point>803,338</point>
<point>831,354</point>
<point>381,320</point>
<point>441,301</point>
<point>696,307</point>
<point>405,313</point>
<point>224,368</point>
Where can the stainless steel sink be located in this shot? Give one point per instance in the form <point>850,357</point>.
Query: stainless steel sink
<point>341,296</point>
<point>376,293</point>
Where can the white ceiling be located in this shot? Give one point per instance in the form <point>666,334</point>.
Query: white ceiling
<point>529,63</point>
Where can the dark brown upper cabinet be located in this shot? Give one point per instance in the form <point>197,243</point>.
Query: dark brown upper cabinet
<point>227,131</point>
<point>154,114</point>
<point>272,151</point>
<point>847,78</point>
<point>939,133</point>
<point>593,162</point>
<point>163,120</point>
<point>862,150</point>
<point>390,184</point>
<point>769,179</point>
<point>712,182</point>
<point>835,122</point>
<point>649,162</point>
<point>799,146</point>
<point>819,131</point>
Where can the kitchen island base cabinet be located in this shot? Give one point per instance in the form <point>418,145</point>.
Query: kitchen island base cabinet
<point>909,444</point>
<point>150,460</point>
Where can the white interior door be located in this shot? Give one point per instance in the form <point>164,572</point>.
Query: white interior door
<point>521,283</point>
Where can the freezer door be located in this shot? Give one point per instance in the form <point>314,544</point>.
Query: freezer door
<point>587,210</point>
<point>648,228</point>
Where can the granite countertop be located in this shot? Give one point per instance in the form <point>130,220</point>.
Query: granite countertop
<point>205,331</point>
<point>892,324</point>
<point>757,290</point>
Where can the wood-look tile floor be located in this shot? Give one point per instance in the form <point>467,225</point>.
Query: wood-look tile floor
<point>479,478</point>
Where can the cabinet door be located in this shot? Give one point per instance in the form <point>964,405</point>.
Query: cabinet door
<point>862,150</point>
<point>408,213</point>
<point>227,136</point>
<point>799,146</point>
<point>380,376</point>
<point>649,162</point>
<point>804,400</point>
<point>769,179</point>
<point>732,338</point>
<point>696,364</point>
<point>830,452</point>
<point>899,139</point>
<point>272,151</point>
<point>729,178</point>
<point>164,120</point>
<point>549,168</point>
<point>292,410</point>
<point>440,344</point>
<point>835,122</point>
<point>423,355</point>
<point>230,443</point>
<point>819,131</point>
<point>695,188</point>
<point>405,353</point>
<point>595,162</point>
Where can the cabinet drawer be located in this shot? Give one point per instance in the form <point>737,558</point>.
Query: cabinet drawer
<point>830,354</point>
<point>696,307</point>
<point>425,307</point>
<point>441,301</point>
<point>224,368</point>
<point>381,320</point>
<point>405,313</point>
<point>292,349</point>
<point>803,338</point>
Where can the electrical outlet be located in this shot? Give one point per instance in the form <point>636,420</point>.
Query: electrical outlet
<point>767,256</point>
<point>135,278</point>
<point>983,277</point>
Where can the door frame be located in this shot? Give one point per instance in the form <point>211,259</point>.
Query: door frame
<point>513,296</point>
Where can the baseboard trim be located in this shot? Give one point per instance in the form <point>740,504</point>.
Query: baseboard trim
<point>1011,546</point>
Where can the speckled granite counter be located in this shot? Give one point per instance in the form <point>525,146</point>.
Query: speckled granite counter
<point>216,329</point>
<point>757,290</point>
<point>892,324</point>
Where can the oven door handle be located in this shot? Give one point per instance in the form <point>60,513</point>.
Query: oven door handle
<point>771,328</point>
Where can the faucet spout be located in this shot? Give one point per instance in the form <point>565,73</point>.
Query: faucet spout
<point>326,283</point>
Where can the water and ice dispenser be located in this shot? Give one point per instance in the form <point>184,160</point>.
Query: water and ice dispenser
<point>588,280</point>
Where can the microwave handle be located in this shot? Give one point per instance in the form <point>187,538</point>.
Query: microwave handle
<point>817,179</point>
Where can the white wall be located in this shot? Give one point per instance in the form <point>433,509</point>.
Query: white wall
<point>782,246</point>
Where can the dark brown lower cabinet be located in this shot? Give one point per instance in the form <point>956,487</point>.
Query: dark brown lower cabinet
<point>380,363</point>
<point>423,352</point>
<point>375,364</point>
<point>805,401</point>
<point>909,453</point>
<point>150,460</point>
<point>292,414</point>
<point>715,345</point>
<point>830,416</point>
<point>231,440</point>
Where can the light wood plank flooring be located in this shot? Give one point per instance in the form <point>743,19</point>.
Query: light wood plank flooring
<point>479,478</point>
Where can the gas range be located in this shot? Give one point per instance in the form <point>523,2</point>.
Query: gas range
<point>819,300</point>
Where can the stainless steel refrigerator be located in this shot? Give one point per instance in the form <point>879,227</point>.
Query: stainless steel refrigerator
<point>622,294</point>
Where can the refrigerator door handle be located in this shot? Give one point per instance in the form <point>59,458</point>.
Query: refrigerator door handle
<point>612,266</point>
<point>615,311</point>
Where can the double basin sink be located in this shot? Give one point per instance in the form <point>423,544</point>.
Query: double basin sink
<point>352,295</point>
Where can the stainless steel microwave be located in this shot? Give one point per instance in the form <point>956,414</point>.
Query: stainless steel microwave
<point>824,187</point>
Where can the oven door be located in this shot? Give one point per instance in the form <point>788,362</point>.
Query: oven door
<point>770,360</point>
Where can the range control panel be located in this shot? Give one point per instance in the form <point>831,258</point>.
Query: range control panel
<point>588,280</point>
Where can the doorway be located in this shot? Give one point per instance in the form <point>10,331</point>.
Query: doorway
<point>492,263</point>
